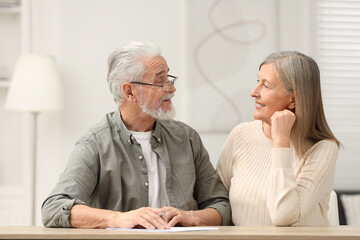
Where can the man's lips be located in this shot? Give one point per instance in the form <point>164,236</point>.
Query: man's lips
<point>166,101</point>
<point>167,98</point>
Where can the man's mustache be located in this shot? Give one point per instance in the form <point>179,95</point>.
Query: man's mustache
<point>166,97</point>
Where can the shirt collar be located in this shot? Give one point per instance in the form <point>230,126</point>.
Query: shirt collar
<point>157,131</point>
<point>123,130</point>
<point>127,134</point>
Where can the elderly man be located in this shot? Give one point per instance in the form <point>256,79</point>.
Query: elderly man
<point>137,167</point>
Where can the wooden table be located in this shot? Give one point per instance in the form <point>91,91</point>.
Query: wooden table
<point>263,232</point>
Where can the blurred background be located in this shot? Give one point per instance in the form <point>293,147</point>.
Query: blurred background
<point>213,46</point>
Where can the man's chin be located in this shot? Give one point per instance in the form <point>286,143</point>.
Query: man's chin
<point>166,115</point>
<point>160,113</point>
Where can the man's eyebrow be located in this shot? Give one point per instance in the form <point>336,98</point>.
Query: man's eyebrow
<point>162,72</point>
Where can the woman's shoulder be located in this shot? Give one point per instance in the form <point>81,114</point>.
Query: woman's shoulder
<point>325,147</point>
<point>325,144</point>
<point>246,129</point>
<point>247,126</point>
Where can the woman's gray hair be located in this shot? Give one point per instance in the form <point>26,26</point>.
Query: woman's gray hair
<point>300,75</point>
<point>126,64</point>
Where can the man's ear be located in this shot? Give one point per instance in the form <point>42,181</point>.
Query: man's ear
<point>127,89</point>
<point>292,103</point>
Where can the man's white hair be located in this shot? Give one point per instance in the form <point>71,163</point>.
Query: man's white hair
<point>126,64</point>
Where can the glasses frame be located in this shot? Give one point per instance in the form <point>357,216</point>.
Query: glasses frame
<point>157,85</point>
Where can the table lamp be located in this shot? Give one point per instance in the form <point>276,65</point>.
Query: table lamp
<point>35,88</point>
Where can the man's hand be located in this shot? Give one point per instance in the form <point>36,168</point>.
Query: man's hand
<point>281,125</point>
<point>82,216</point>
<point>143,217</point>
<point>174,216</point>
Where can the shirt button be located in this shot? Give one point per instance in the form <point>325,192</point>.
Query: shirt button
<point>159,139</point>
<point>140,157</point>
<point>129,141</point>
<point>146,184</point>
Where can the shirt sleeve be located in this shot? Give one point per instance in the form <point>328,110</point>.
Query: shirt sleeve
<point>291,196</point>
<point>75,186</point>
<point>209,190</point>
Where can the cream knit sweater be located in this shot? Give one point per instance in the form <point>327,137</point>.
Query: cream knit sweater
<point>272,186</point>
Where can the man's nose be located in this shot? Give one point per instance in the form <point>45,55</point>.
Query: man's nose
<point>173,88</point>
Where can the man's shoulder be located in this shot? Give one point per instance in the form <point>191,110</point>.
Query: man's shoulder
<point>172,123</point>
<point>175,125</point>
<point>103,126</point>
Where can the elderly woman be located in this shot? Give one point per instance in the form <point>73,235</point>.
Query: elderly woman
<point>279,168</point>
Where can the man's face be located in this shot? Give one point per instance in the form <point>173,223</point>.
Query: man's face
<point>153,100</point>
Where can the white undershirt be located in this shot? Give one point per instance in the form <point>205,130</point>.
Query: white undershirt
<point>156,171</point>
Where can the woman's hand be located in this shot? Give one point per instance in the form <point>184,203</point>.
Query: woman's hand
<point>281,125</point>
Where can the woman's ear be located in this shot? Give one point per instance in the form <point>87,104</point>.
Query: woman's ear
<point>127,89</point>
<point>292,103</point>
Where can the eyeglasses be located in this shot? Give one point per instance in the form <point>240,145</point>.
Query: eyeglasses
<point>166,87</point>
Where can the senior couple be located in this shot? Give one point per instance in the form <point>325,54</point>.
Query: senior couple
<point>139,168</point>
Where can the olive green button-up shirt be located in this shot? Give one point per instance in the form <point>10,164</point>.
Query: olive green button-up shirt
<point>107,170</point>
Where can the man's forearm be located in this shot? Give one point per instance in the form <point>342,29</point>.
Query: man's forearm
<point>82,216</point>
<point>207,217</point>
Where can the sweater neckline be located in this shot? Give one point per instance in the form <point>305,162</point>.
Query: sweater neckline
<point>261,133</point>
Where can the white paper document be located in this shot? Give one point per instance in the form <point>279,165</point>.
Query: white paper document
<point>173,229</point>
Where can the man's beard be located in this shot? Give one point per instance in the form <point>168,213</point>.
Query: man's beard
<point>159,113</point>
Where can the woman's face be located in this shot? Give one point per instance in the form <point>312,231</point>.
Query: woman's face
<point>270,94</point>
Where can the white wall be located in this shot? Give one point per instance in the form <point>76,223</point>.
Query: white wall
<point>82,33</point>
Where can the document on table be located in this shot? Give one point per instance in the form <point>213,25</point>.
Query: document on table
<point>172,229</point>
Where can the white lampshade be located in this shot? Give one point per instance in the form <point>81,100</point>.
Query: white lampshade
<point>35,86</point>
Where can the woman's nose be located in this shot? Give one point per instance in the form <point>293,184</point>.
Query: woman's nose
<point>254,92</point>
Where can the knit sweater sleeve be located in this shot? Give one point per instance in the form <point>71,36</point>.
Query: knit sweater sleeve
<point>225,162</point>
<point>290,196</point>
